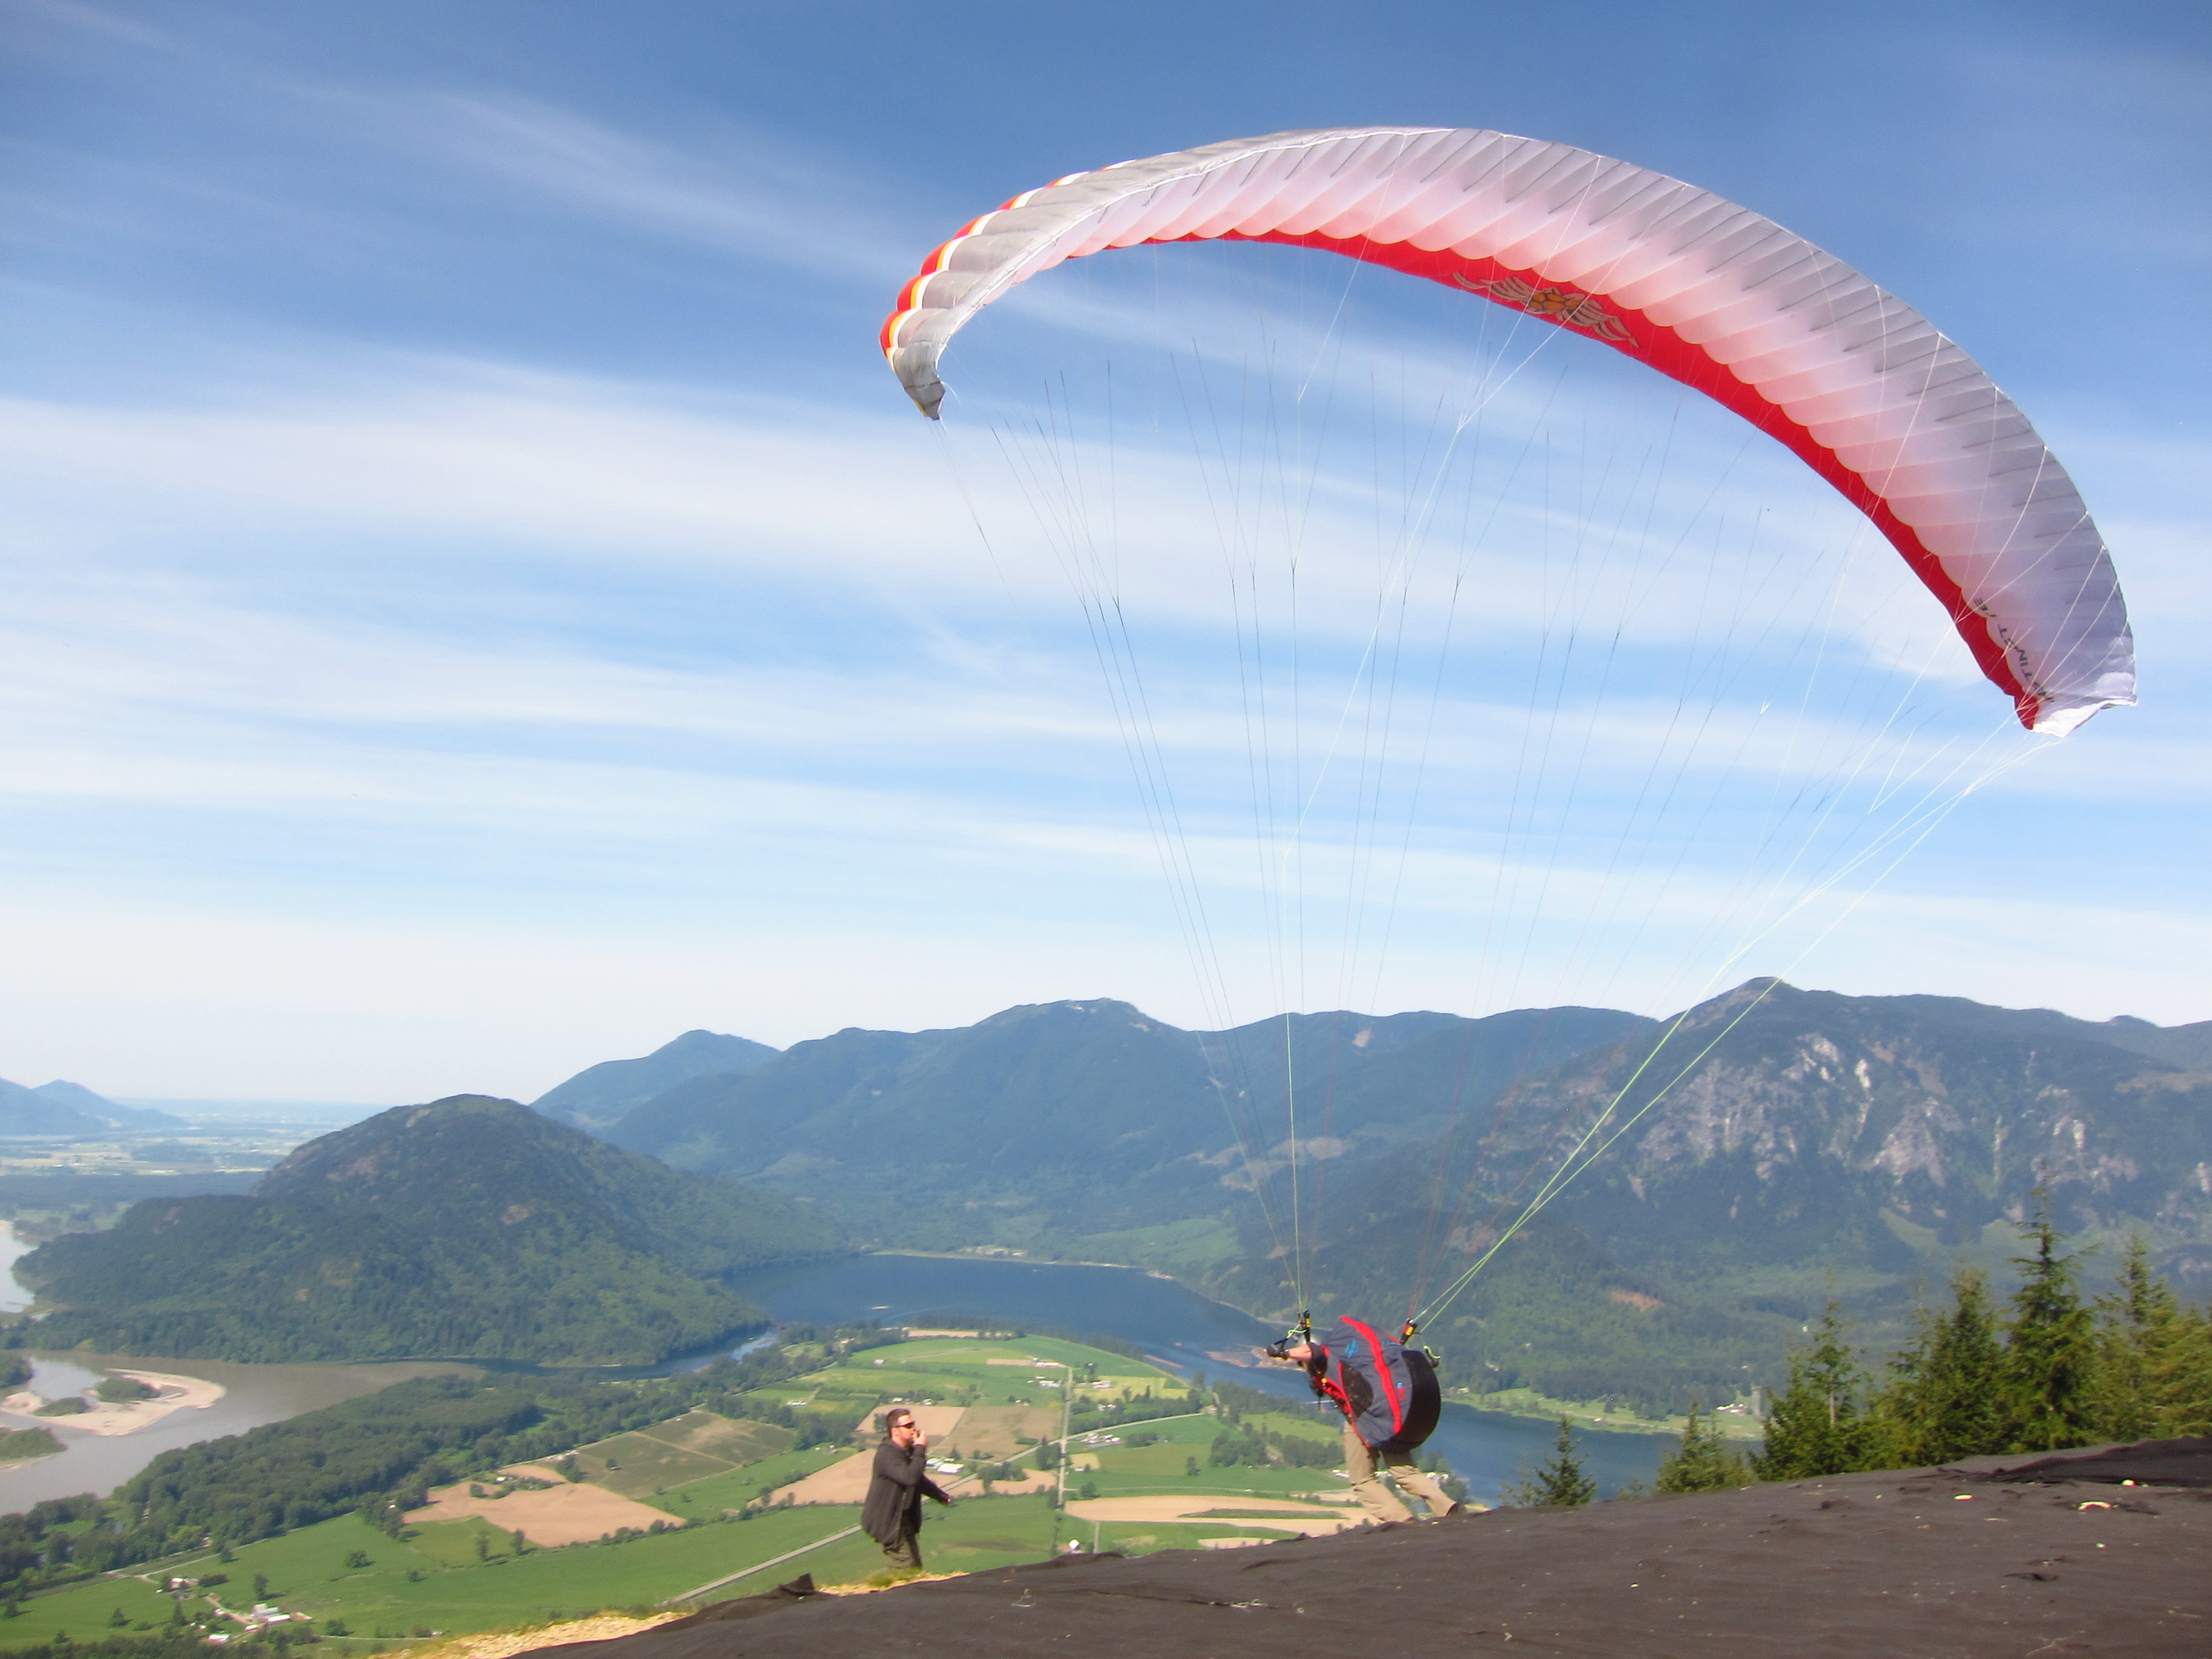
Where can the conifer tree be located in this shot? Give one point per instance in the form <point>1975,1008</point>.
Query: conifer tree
<point>1702,1461</point>
<point>2137,1323</point>
<point>1943,1399</point>
<point>1818,1426</point>
<point>1559,1480</point>
<point>2051,1352</point>
<point>2181,1377</point>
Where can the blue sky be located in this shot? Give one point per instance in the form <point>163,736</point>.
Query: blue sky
<point>478,605</point>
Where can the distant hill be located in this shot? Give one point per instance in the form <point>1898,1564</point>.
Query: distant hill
<point>133,1119</point>
<point>470,1228</point>
<point>1861,1141</point>
<point>2187,1046</point>
<point>59,1109</point>
<point>600,1094</point>
<point>26,1112</point>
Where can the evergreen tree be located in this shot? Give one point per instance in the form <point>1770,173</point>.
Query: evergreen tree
<point>2181,1377</point>
<point>1702,1461</point>
<point>1943,1399</point>
<point>1560,1480</point>
<point>1818,1426</point>
<point>2051,1350</point>
<point>2138,1321</point>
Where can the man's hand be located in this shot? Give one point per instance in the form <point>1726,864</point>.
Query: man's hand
<point>920,1441</point>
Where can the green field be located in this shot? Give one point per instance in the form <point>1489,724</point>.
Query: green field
<point>704,1471</point>
<point>435,1581</point>
<point>691,1448</point>
<point>733,1489</point>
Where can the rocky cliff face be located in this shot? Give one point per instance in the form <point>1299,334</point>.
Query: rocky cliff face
<point>1771,1116</point>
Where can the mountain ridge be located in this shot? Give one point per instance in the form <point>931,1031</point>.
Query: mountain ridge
<point>1823,1140</point>
<point>600,1094</point>
<point>1008,1096</point>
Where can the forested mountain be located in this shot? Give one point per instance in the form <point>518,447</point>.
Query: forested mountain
<point>470,1228</point>
<point>597,1095</point>
<point>1793,1141</point>
<point>1781,1139</point>
<point>1090,1113</point>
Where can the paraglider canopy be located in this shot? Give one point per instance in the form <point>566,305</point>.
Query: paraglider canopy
<point>1855,382</point>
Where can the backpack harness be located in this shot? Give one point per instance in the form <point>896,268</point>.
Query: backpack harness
<point>1387,1391</point>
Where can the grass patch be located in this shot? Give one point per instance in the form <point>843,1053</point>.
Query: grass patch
<point>85,1613</point>
<point>1180,1248</point>
<point>733,1489</point>
<point>435,1579</point>
<point>691,1448</point>
<point>638,1465</point>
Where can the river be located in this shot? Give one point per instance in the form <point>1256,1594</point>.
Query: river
<point>1174,1325</point>
<point>253,1395</point>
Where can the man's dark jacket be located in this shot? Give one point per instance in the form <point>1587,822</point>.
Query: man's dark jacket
<point>895,1490</point>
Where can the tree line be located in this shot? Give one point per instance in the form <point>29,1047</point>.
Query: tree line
<point>2047,1370</point>
<point>2043,1371</point>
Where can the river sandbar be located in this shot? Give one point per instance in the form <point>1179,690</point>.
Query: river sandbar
<point>172,1394</point>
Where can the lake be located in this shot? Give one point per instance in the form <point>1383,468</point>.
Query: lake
<point>1174,1325</point>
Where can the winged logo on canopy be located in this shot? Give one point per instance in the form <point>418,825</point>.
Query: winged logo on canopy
<point>1556,305</point>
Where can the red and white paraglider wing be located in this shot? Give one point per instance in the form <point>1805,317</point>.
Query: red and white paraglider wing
<point>1858,384</point>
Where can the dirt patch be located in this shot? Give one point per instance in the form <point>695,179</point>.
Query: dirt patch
<point>845,1481</point>
<point>502,1644</point>
<point>991,1432</point>
<point>938,1422</point>
<point>1280,1515</point>
<point>569,1513</point>
<point>1028,1480</point>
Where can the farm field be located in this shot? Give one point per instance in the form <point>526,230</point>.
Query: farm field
<point>726,1492</point>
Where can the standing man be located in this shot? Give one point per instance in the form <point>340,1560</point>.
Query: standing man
<point>892,1514</point>
<point>1388,1394</point>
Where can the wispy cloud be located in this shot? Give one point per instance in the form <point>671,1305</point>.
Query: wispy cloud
<point>743,193</point>
<point>95,21</point>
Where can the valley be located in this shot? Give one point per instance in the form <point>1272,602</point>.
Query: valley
<point>1049,1440</point>
<point>626,1348</point>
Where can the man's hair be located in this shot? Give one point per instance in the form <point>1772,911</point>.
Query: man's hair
<point>895,1416</point>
